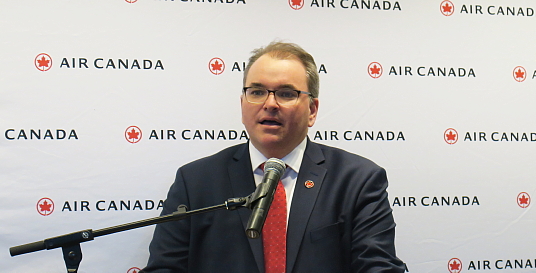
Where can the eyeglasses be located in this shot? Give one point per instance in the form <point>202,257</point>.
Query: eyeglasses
<point>283,96</point>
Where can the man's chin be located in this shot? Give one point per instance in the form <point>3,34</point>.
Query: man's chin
<point>269,142</point>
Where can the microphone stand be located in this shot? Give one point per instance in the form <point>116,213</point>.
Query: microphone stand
<point>70,243</point>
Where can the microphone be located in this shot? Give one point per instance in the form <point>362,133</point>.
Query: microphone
<point>264,195</point>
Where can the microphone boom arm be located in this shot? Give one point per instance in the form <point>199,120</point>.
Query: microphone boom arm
<point>70,243</point>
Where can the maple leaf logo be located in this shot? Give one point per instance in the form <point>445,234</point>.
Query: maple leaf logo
<point>45,206</point>
<point>375,70</point>
<point>133,134</point>
<point>520,74</point>
<point>455,265</point>
<point>296,4</point>
<point>447,8</point>
<point>523,200</point>
<point>451,136</point>
<point>43,62</point>
<point>216,66</point>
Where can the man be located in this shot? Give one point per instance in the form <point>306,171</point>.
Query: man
<point>337,216</point>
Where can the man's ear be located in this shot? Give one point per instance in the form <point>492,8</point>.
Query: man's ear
<point>313,111</point>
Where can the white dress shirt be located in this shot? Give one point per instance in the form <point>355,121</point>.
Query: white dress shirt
<point>293,161</point>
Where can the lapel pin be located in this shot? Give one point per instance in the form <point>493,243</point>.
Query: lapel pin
<point>309,184</point>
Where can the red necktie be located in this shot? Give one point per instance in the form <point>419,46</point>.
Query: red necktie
<point>274,233</point>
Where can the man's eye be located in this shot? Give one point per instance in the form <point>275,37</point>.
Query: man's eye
<point>257,92</point>
<point>287,94</point>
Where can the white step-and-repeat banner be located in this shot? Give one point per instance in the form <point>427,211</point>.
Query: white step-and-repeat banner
<point>101,102</point>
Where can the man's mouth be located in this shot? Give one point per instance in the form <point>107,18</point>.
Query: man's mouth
<point>270,122</point>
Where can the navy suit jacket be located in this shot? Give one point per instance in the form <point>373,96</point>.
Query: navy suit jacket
<point>342,224</point>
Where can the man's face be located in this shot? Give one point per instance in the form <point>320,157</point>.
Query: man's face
<point>275,130</point>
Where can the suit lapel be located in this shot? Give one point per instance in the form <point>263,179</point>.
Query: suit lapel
<point>243,184</point>
<point>304,200</point>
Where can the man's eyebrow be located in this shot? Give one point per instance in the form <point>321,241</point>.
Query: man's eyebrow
<point>287,85</point>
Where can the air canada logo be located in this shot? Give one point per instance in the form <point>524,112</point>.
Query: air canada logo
<point>359,135</point>
<point>447,8</point>
<point>216,66</point>
<point>296,4</point>
<point>45,206</point>
<point>133,134</point>
<point>133,270</point>
<point>358,4</point>
<point>455,265</point>
<point>43,62</point>
<point>375,70</point>
<point>494,10</point>
<point>131,1</point>
<point>435,201</point>
<point>520,74</point>
<point>451,136</point>
<point>523,200</point>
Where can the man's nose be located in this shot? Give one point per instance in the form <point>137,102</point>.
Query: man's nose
<point>271,102</point>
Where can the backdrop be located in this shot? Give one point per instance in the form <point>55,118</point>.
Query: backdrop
<point>101,101</point>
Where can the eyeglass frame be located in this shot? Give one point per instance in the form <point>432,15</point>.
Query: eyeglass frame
<point>273,91</point>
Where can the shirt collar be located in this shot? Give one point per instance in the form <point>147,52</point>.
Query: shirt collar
<point>293,159</point>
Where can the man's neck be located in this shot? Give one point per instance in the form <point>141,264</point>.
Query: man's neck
<point>277,152</point>
<point>292,159</point>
